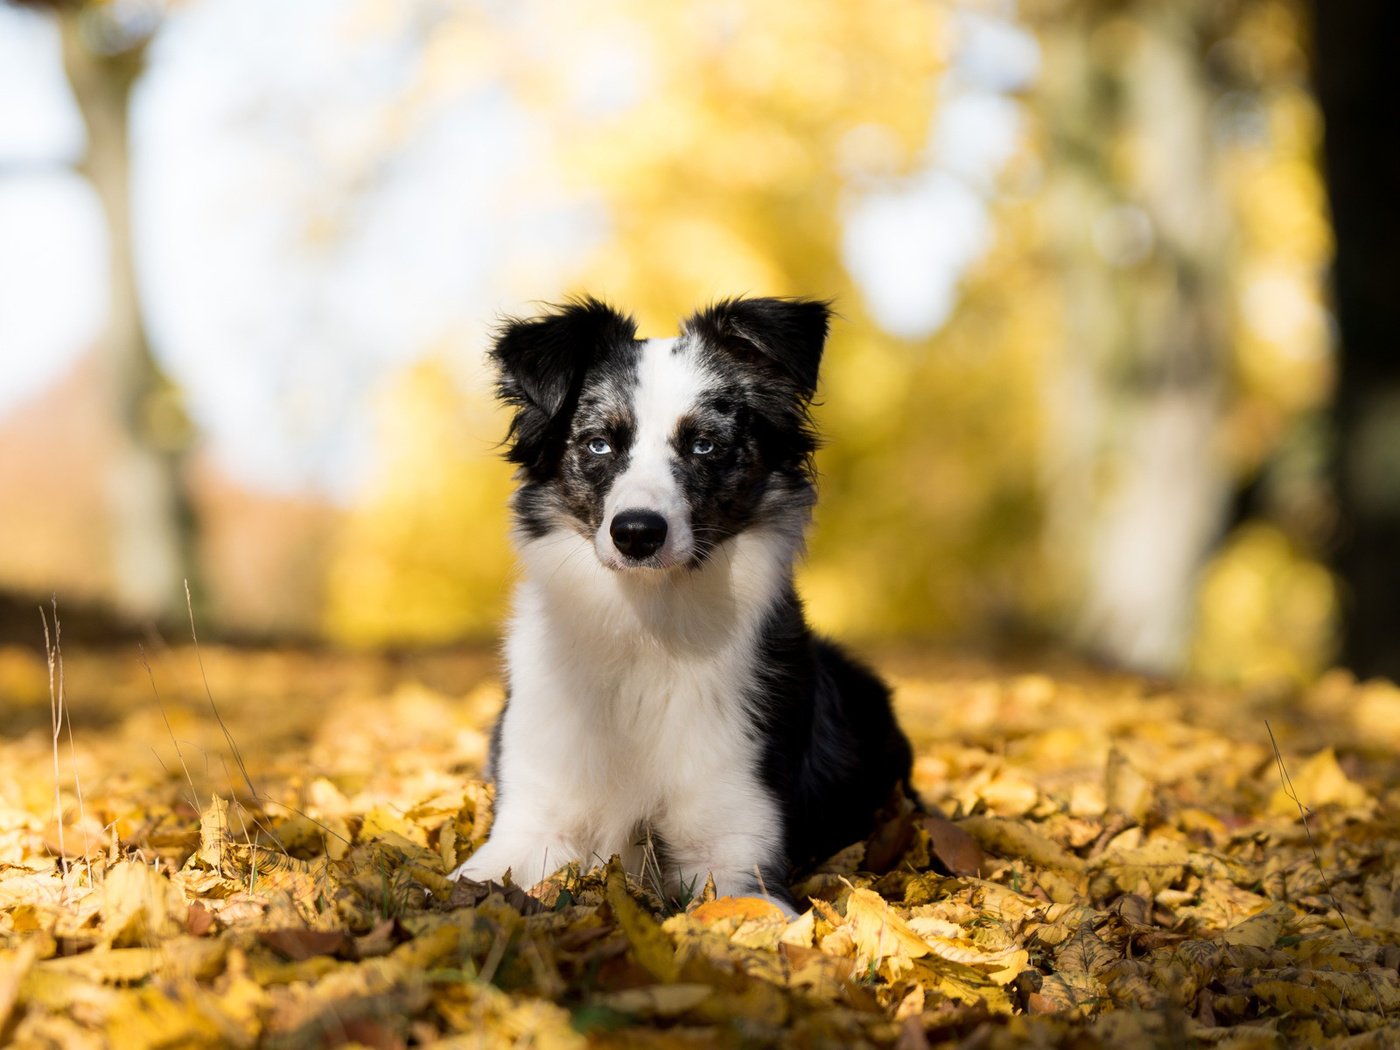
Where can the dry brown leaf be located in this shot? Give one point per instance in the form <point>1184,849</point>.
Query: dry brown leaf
<point>298,944</point>
<point>198,920</point>
<point>954,847</point>
<point>1084,954</point>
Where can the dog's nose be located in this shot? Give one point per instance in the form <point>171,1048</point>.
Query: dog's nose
<point>638,533</point>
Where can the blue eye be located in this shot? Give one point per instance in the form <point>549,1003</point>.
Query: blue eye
<point>599,446</point>
<point>702,446</point>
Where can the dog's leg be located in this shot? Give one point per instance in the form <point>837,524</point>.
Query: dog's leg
<point>737,840</point>
<point>530,859</point>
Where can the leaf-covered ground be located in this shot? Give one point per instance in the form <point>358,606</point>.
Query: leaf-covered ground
<point>260,863</point>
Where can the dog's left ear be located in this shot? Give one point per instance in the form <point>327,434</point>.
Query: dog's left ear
<point>541,363</point>
<point>787,335</point>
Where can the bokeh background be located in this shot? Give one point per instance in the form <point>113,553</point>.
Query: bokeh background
<point>1113,370</point>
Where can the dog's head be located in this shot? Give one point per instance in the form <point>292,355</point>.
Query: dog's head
<point>659,450</point>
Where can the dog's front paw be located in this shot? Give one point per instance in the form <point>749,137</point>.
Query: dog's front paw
<point>474,870</point>
<point>487,864</point>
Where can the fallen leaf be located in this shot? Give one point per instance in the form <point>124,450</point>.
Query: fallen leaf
<point>879,933</point>
<point>1013,838</point>
<point>954,847</point>
<point>1261,930</point>
<point>198,920</point>
<point>299,944</point>
<point>14,965</point>
<point>77,840</point>
<point>1084,954</point>
<point>650,945</point>
<point>139,905</point>
<point>657,1000</point>
<point>379,941</point>
<point>106,965</point>
<point>1160,863</point>
<point>801,932</point>
<point>1126,790</point>
<point>213,834</point>
<point>1320,782</point>
<point>736,909</point>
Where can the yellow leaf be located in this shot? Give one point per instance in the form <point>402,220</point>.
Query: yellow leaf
<point>1261,930</point>
<point>213,833</point>
<point>960,983</point>
<point>240,1002</point>
<point>429,949</point>
<point>1320,782</point>
<point>753,1001</point>
<point>13,966</point>
<point>1001,965</point>
<point>839,942</point>
<point>1160,862</point>
<point>1294,997</point>
<point>650,945</point>
<point>139,905</point>
<point>748,921</point>
<point>1012,838</point>
<point>381,822</point>
<point>801,931</point>
<point>1126,790</point>
<point>1009,794</point>
<point>152,1017</point>
<point>105,965</point>
<point>879,933</point>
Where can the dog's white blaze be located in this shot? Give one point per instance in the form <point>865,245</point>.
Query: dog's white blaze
<point>668,385</point>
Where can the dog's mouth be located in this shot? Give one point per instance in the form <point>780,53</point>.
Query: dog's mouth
<point>645,567</point>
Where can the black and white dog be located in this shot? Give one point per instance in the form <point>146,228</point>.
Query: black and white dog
<point>663,683</point>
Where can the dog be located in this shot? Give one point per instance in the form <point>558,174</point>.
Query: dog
<point>664,687</point>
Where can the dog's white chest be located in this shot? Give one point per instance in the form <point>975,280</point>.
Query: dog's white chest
<point>627,715</point>
<point>632,717</point>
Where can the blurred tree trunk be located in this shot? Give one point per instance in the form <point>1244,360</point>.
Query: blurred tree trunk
<point>152,521</point>
<point>1136,489</point>
<point>1354,48</point>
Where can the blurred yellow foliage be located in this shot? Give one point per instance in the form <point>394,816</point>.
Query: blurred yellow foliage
<point>425,556</point>
<point>1267,613</point>
<point>726,164</point>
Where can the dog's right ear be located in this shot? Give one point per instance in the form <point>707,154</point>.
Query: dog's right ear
<point>540,365</point>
